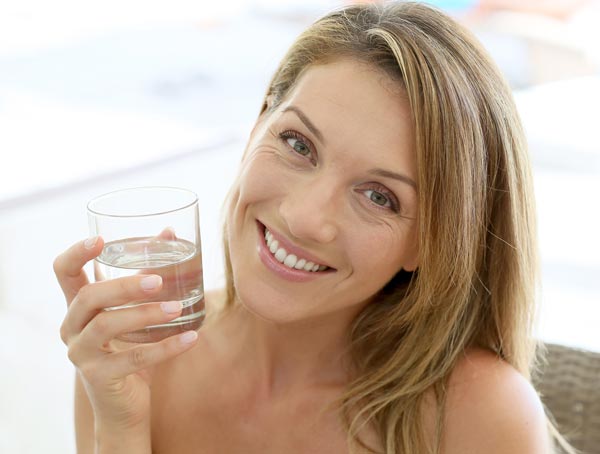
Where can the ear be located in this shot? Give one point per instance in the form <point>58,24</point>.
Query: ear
<point>412,261</point>
<point>410,267</point>
<point>267,103</point>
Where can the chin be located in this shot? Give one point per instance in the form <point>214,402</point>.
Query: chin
<point>263,303</point>
<point>260,292</point>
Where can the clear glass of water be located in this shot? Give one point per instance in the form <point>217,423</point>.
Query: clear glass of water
<point>152,230</point>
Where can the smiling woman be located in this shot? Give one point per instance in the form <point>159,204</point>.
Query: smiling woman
<point>316,190</point>
<point>380,259</point>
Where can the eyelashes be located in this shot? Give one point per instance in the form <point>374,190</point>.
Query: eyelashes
<point>379,196</point>
<point>300,144</point>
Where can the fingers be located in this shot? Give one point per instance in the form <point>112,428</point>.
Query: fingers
<point>68,266</point>
<point>119,365</point>
<point>107,325</point>
<point>143,356</point>
<point>168,233</point>
<point>93,298</point>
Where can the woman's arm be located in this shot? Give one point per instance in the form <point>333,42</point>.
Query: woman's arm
<point>104,440</point>
<point>84,419</point>
<point>112,388</point>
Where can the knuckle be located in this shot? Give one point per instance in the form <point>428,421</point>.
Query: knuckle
<point>64,337</point>
<point>137,357</point>
<point>72,353</point>
<point>86,296</point>
<point>57,265</point>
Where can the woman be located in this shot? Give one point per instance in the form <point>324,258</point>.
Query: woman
<point>380,264</point>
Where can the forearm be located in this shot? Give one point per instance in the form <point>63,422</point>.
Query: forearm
<point>95,437</point>
<point>84,419</point>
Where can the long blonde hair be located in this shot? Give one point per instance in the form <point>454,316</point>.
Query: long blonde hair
<point>475,285</point>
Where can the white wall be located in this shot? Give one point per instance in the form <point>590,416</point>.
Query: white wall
<point>168,99</point>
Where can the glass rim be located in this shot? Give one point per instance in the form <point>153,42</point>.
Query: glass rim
<point>96,212</point>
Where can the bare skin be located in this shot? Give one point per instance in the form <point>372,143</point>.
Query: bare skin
<point>259,378</point>
<point>489,406</point>
<point>201,392</point>
<point>201,404</point>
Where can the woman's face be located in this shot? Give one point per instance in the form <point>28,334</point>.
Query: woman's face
<point>330,174</point>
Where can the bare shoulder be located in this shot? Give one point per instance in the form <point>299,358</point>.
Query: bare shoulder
<point>492,408</point>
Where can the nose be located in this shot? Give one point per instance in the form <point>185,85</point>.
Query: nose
<point>310,211</point>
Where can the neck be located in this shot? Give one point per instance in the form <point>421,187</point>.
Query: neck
<point>279,358</point>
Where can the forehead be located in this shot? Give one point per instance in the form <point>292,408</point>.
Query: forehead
<point>357,107</point>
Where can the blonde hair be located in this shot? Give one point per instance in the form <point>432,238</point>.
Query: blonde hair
<point>475,285</point>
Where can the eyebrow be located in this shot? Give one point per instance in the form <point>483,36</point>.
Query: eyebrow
<point>309,124</point>
<point>395,176</point>
<point>380,172</point>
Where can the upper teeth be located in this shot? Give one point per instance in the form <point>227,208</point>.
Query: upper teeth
<point>290,260</point>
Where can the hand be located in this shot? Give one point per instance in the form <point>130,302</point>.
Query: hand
<point>116,378</point>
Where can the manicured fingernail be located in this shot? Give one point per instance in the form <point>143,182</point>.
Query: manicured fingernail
<point>170,307</point>
<point>150,282</point>
<point>169,233</point>
<point>188,337</point>
<point>90,242</point>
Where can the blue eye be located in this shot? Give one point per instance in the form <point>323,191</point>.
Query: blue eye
<point>299,144</point>
<point>381,197</point>
<point>378,198</point>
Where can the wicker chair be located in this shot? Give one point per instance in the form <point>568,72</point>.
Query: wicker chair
<point>569,385</point>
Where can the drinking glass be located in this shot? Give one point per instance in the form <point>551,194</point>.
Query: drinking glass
<point>152,230</point>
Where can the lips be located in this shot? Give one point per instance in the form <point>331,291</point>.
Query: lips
<point>291,274</point>
<point>291,248</point>
<point>288,259</point>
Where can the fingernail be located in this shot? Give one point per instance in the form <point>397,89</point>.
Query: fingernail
<point>170,307</point>
<point>150,282</point>
<point>90,242</point>
<point>170,233</point>
<point>188,337</point>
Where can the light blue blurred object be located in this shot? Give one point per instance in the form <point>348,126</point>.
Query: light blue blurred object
<point>453,6</point>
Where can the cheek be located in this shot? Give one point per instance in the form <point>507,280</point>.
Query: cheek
<point>381,256</point>
<point>261,179</point>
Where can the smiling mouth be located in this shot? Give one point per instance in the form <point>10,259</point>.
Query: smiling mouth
<point>290,260</point>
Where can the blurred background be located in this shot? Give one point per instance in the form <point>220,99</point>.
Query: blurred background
<point>97,96</point>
